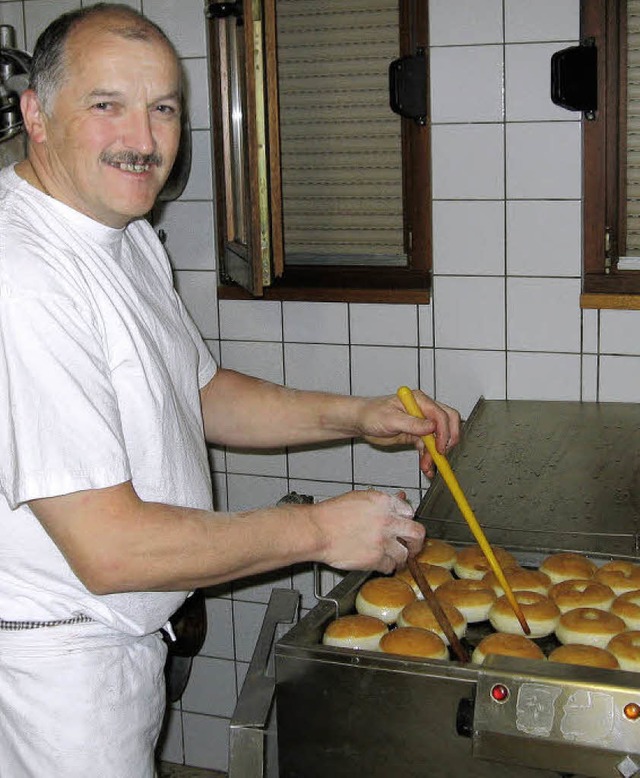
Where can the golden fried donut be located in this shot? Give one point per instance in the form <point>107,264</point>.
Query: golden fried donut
<point>567,565</point>
<point>471,597</point>
<point>434,574</point>
<point>621,575</point>
<point>414,641</point>
<point>578,654</point>
<point>360,632</point>
<point>520,580</point>
<point>541,613</point>
<point>437,552</point>
<point>384,598</point>
<point>626,649</point>
<point>472,563</point>
<point>627,606</point>
<point>576,593</point>
<point>588,626</point>
<point>419,614</point>
<point>506,645</point>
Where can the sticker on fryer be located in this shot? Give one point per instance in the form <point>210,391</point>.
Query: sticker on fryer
<point>588,717</point>
<point>535,709</point>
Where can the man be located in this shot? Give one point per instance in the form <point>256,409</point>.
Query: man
<point>109,395</point>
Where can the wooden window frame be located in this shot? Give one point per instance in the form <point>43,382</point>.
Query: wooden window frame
<point>410,284</point>
<point>604,164</point>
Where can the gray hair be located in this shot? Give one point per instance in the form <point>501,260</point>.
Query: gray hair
<point>48,63</point>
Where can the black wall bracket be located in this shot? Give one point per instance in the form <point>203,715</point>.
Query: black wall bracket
<point>224,10</point>
<point>408,86</point>
<point>574,78</point>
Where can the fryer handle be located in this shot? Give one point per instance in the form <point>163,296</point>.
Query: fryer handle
<point>250,718</point>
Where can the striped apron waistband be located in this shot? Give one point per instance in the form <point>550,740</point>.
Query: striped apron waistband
<point>17,626</point>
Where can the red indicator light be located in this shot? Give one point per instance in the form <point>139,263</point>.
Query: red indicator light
<point>632,711</point>
<point>500,693</point>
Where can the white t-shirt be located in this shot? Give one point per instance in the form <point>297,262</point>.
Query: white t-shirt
<point>100,370</point>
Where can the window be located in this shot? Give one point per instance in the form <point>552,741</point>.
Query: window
<point>322,191</point>
<point>611,206</point>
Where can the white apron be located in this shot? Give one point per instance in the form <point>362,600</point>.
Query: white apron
<point>80,700</point>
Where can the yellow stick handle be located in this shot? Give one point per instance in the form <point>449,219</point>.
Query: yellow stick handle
<point>444,468</point>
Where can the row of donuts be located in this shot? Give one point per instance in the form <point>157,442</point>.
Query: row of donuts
<point>564,583</point>
<point>563,596</point>
<point>370,633</point>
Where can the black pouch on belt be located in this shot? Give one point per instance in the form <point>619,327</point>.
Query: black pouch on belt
<point>189,624</point>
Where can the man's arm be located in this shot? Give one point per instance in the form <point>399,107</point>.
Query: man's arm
<point>115,542</point>
<point>242,411</point>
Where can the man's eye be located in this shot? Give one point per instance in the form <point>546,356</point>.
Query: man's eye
<point>168,110</point>
<point>102,106</point>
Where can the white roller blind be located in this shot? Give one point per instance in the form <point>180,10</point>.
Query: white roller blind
<point>340,143</point>
<point>633,128</point>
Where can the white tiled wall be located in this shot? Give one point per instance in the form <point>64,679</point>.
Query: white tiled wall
<point>505,320</point>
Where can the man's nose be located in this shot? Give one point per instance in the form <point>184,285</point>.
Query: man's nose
<point>139,133</point>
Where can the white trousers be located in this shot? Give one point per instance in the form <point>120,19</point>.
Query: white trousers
<point>79,701</point>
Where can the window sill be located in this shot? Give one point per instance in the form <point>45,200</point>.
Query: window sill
<point>350,285</point>
<point>327,294</point>
<point>620,302</point>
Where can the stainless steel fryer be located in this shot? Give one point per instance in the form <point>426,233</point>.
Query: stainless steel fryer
<point>541,477</point>
<point>347,713</point>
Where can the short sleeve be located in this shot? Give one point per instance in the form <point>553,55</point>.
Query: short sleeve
<point>61,429</point>
<point>207,365</point>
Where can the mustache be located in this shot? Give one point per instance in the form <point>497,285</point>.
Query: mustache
<point>131,158</point>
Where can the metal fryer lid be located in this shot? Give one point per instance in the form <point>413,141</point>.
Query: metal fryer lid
<point>545,475</point>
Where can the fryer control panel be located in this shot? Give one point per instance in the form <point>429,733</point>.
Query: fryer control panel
<point>568,716</point>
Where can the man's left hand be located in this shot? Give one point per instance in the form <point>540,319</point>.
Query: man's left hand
<point>383,421</point>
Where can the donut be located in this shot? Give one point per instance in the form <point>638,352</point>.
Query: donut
<point>419,614</point>
<point>384,598</point>
<point>506,645</point>
<point>566,565</point>
<point>472,598</point>
<point>356,631</point>
<point>576,593</point>
<point>434,574</point>
<point>627,606</point>
<point>541,613</point>
<point>437,552</point>
<point>414,641</point>
<point>472,563</point>
<point>579,654</point>
<point>622,576</point>
<point>520,580</point>
<point>626,649</point>
<point>589,627</point>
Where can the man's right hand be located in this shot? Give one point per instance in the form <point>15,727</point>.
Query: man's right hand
<point>361,531</point>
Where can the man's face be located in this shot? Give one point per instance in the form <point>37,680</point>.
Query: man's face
<point>112,133</point>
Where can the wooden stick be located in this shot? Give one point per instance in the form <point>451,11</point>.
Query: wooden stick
<point>438,612</point>
<point>411,406</point>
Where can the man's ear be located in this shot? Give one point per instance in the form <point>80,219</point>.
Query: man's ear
<point>33,115</point>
